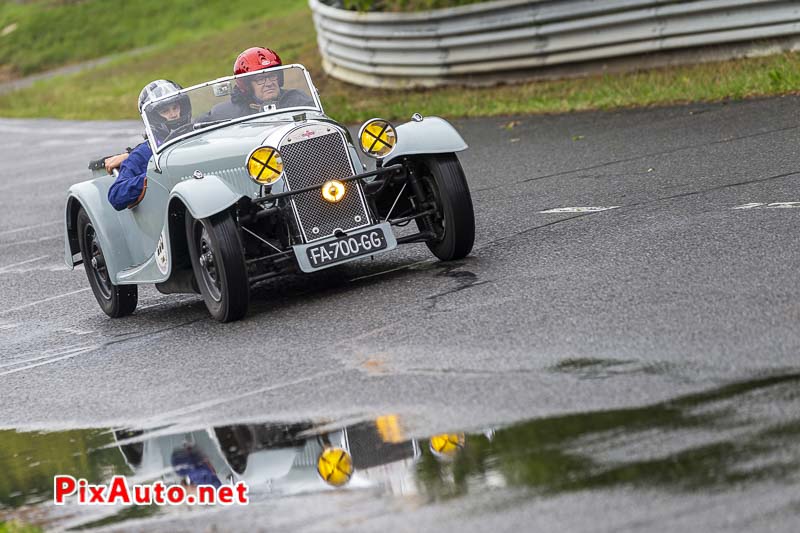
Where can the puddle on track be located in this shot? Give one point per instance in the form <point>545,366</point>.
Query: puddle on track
<point>729,438</point>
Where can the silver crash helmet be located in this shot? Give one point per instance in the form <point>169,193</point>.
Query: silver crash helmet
<point>159,125</point>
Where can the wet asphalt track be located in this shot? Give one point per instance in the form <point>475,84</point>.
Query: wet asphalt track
<point>673,293</point>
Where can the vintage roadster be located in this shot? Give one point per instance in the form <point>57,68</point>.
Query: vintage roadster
<point>230,203</point>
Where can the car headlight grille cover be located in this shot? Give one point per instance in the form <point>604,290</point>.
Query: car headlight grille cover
<point>377,138</point>
<point>265,165</point>
<point>335,466</point>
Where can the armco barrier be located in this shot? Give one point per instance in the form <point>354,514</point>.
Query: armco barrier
<point>468,43</point>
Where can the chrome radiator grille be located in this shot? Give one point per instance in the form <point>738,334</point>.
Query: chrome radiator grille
<point>313,162</point>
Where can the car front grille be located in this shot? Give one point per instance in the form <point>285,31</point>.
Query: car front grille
<point>313,162</point>
<point>368,449</point>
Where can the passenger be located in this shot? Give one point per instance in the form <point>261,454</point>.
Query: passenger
<point>194,467</point>
<point>168,116</point>
<point>250,95</point>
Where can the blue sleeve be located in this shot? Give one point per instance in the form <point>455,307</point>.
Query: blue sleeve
<point>129,184</point>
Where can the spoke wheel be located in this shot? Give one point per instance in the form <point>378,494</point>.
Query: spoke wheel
<point>436,222</point>
<point>453,224</point>
<point>208,265</point>
<point>218,264</point>
<point>115,300</point>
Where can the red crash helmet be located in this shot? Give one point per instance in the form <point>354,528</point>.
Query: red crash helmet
<point>254,59</point>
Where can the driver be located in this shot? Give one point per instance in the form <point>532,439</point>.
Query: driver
<point>166,117</point>
<point>250,95</point>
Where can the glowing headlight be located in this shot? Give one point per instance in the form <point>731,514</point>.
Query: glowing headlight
<point>377,138</point>
<point>265,165</point>
<point>335,466</point>
<point>333,191</point>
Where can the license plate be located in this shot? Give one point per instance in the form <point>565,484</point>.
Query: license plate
<point>364,243</point>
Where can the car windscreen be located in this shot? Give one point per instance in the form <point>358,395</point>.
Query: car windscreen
<point>224,100</point>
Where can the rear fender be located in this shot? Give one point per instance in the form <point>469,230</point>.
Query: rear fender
<point>93,197</point>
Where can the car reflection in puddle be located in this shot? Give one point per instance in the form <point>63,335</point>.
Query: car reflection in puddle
<point>730,436</point>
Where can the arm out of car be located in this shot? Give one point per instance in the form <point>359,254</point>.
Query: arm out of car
<point>129,187</point>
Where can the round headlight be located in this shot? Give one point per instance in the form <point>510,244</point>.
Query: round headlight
<point>447,444</point>
<point>335,466</point>
<point>333,191</point>
<point>265,165</point>
<point>377,138</point>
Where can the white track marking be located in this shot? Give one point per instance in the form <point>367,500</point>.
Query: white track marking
<point>202,406</point>
<point>16,230</point>
<point>6,311</point>
<point>52,360</point>
<point>31,241</point>
<point>783,205</point>
<point>596,209</point>
<point>45,355</point>
<point>49,267</point>
<point>773,205</point>
<point>12,265</point>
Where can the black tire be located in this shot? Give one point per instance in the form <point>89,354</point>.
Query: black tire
<point>237,445</point>
<point>115,300</point>
<point>215,249</point>
<point>133,452</point>
<point>443,180</point>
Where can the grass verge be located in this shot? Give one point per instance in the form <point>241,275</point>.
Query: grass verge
<point>15,526</point>
<point>109,91</point>
<point>36,36</point>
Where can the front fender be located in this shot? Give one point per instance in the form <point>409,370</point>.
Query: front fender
<point>205,196</point>
<point>93,197</point>
<point>432,135</point>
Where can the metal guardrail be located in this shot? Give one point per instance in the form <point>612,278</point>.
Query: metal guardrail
<point>469,43</point>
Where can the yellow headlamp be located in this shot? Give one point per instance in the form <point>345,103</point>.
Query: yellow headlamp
<point>377,138</point>
<point>265,165</point>
<point>447,444</point>
<point>335,466</point>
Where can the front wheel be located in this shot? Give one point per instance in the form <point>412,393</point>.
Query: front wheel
<point>445,186</point>
<point>219,267</point>
<point>115,300</point>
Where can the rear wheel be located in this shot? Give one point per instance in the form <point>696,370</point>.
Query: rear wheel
<point>219,267</point>
<point>115,300</point>
<point>445,186</point>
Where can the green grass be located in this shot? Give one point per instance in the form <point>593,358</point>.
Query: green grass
<point>15,526</point>
<point>778,74</point>
<point>109,91</point>
<point>48,33</point>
